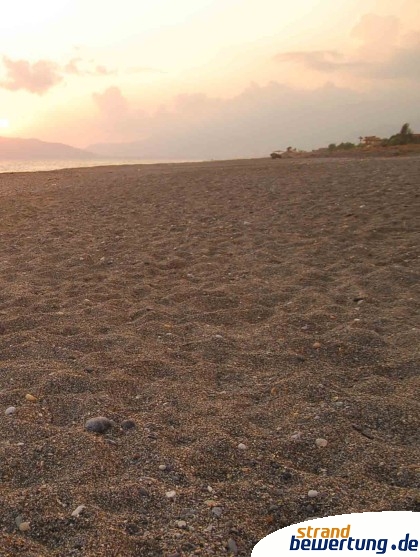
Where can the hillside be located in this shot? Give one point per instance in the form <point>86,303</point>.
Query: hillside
<point>18,148</point>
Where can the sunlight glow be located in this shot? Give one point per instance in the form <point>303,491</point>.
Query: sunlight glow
<point>23,15</point>
<point>4,123</point>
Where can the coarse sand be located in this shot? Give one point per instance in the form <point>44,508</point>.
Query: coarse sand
<point>256,321</point>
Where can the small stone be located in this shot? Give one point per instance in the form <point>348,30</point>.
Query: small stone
<point>313,493</point>
<point>9,411</point>
<point>210,489</point>
<point>296,436</point>
<point>78,510</point>
<point>217,511</point>
<point>23,526</point>
<point>171,494</point>
<point>232,547</point>
<point>162,467</point>
<point>321,443</point>
<point>128,424</point>
<point>98,425</point>
<point>316,345</point>
<point>242,447</point>
<point>181,524</point>
<point>210,503</point>
<point>30,398</point>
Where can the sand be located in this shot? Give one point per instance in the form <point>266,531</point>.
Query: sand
<point>259,303</point>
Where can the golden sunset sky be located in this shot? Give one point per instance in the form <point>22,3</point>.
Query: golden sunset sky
<point>206,75</point>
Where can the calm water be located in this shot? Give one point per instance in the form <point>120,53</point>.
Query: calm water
<point>39,164</point>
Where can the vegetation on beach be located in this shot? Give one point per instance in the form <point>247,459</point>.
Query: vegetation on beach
<point>404,137</point>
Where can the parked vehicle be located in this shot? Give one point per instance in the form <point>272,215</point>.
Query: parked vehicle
<point>276,154</point>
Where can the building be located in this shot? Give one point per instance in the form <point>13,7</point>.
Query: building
<point>371,141</point>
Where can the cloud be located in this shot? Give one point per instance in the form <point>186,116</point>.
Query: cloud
<point>41,76</point>
<point>382,52</point>
<point>319,60</point>
<point>111,102</point>
<point>259,120</point>
<point>73,67</point>
<point>102,70</point>
<point>37,78</point>
<point>376,29</point>
<point>144,69</point>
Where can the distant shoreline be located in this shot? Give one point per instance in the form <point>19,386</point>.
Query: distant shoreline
<point>13,166</point>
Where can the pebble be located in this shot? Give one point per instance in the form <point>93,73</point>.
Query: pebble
<point>98,425</point>
<point>170,494</point>
<point>78,510</point>
<point>296,436</point>
<point>321,443</point>
<point>232,547</point>
<point>181,524</point>
<point>313,493</point>
<point>316,345</point>
<point>162,467</point>
<point>242,447</point>
<point>9,411</point>
<point>128,424</point>
<point>217,511</point>
<point>23,526</point>
<point>30,398</point>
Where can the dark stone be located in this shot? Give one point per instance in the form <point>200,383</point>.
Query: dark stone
<point>132,529</point>
<point>98,425</point>
<point>232,547</point>
<point>128,424</point>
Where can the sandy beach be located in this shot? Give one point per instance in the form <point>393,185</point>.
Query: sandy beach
<point>256,322</point>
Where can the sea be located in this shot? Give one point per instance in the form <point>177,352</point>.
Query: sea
<point>35,165</point>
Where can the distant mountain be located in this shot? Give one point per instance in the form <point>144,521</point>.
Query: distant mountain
<point>17,148</point>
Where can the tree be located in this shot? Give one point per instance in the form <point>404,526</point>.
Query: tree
<point>404,137</point>
<point>406,130</point>
<point>346,145</point>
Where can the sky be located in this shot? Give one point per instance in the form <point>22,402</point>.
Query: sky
<point>208,78</point>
